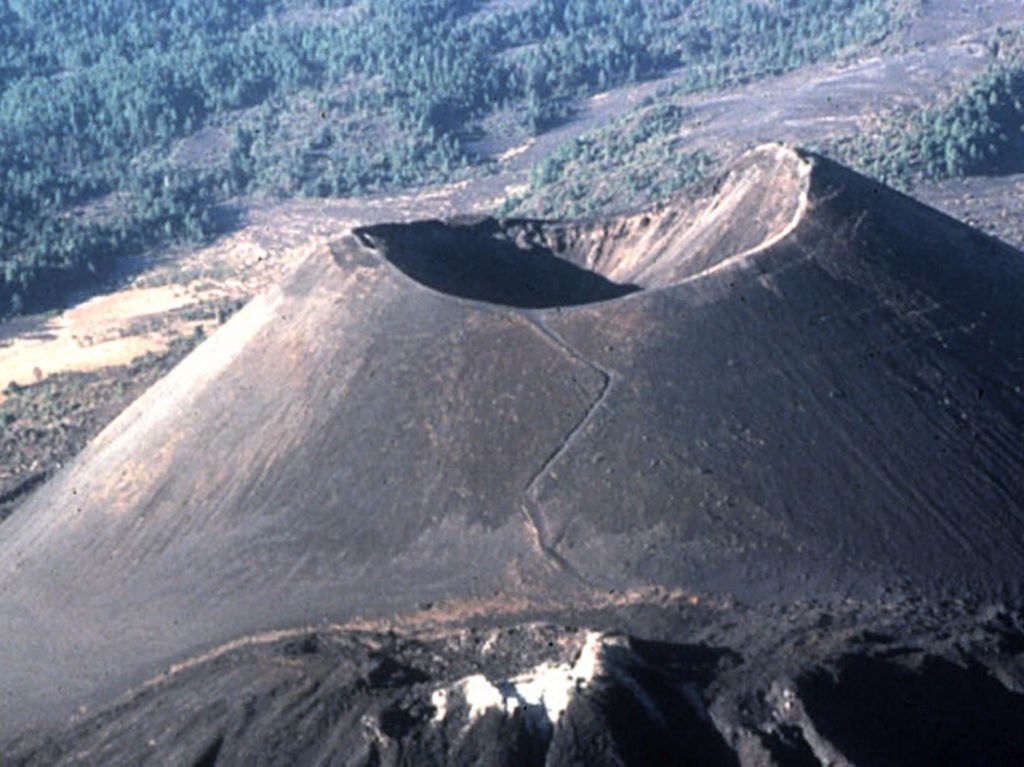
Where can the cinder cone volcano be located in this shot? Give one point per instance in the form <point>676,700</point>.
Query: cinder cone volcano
<point>801,386</point>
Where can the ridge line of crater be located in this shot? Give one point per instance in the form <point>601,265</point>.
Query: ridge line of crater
<point>806,166</point>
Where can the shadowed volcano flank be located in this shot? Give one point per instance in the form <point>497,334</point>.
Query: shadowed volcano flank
<point>815,394</point>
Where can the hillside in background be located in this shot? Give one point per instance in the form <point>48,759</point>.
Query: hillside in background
<point>122,124</point>
<point>968,128</point>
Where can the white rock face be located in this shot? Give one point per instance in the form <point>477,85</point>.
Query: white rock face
<point>544,692</point>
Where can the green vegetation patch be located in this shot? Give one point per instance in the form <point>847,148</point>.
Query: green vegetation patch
<point>633,161</point>
<point>975,130</point>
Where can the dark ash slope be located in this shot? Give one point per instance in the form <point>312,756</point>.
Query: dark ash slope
<point>803,387</point>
